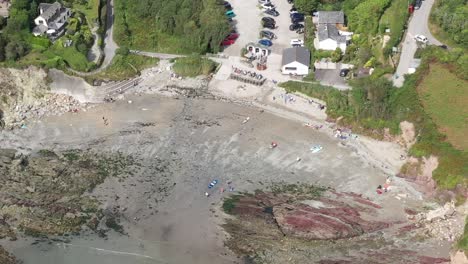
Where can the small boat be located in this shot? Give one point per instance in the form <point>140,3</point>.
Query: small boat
<point>316,148</point>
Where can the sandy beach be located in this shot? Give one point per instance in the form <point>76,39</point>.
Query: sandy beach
<point>185,143</point>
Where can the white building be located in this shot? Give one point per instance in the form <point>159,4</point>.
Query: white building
<point>52,20</point>
<point>295,61</point>
<point>329,38</point>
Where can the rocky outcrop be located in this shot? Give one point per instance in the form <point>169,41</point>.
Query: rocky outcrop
<point>327,221</point>
<point>25,95</point>
<point>294,224</point>
<point>41,194</point>
<point>6,258</point>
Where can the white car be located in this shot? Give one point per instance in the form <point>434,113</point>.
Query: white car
<point>263,1</point>
<point>268,6</point>
<point>421,38</point>
<point>297,42</point>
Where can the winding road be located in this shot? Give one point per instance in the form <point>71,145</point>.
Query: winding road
<point>418,24</point>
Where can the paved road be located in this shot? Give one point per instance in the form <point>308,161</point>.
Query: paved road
<point>418,25</point>
<point>163,56</point>
<point>110,46</point>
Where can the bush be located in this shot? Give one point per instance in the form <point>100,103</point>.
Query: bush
<point>194,65</point>
<point>336,55</point>
<point>124,51</point>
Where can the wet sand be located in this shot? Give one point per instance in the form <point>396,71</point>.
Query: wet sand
<point>167,216</point>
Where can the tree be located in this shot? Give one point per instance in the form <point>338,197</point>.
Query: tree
<point>3,22</point>
<point>306,6</point>
<point>2,48</point>
<point>33,12</point>
<point>336,55</point>
<point>10,51</point>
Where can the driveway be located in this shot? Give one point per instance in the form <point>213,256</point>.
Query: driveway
<point>248,25</point>
<point>331,78</point>
<point>418,24</point>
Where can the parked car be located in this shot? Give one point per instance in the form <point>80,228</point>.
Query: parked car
<point>265,42</point>
<point>272,12</point>
<point>293,10</point>
<point>417,4</point>
<point>300,31</point>
<point>268,19</point>
<point>295,20</point>
<point>344,72</point>
<point>267,34</point>
<point>233,36</point>
<point>297,14</point>
<point>297,42</point>
<point>268,25</point>
<point>227,42</point>
<point>228,7</point>
<point>263,1</point>
<point>443,47</point>
<point>421,38</point>
<point>294,27</point>
<point>290,1</point>
<point>230,14</point>
<point>268,6</point>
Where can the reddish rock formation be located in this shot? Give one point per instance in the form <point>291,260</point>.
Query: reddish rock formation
<point>326,222</point>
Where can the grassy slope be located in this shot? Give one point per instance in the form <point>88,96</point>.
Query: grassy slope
<point>90,9</point>
<point>445,98</point>
<point>121,67</point>
<point>140,39</point>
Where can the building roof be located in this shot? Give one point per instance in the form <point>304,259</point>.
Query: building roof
<point>41,29</point>
<point>329,31</point>
<point>330,17</point>
<point>49,10</point>
<point>299,54</point>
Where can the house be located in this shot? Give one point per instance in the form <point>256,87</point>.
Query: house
<point>328,35</point>
<point>330,17</point>
<point>329,38</point>
<point>295,61</point>
<point>52,20</point>
<point>4,8</point>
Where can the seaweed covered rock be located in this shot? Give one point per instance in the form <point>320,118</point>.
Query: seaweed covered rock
<point>6,258</point>
<point>42,193</point>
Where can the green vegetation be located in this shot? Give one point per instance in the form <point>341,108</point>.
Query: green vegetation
<point>18,47</point>
<point>124,67</point>
<point>442,92</point>
<point>463,242</point>
<point>193,66</point>
<point>394,19</point>
<point>448,19</point>
<point>230,203</point>
<point>369,20</point>
<point>170,26</point>
<point>365,16</point>
<point>373,104</point>
<point>312,191</point>
<point>90,8</point>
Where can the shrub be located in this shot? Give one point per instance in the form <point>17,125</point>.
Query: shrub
<point>194,65</point>
<point>124,51</point>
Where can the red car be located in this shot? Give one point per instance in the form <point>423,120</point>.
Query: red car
<point>232,36</point>
<point>227,42</point>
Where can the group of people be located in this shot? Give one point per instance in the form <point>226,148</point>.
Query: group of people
<point>106,121</point>
<point>385,188</point>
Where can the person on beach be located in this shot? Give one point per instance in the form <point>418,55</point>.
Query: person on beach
<point>379,189</point>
